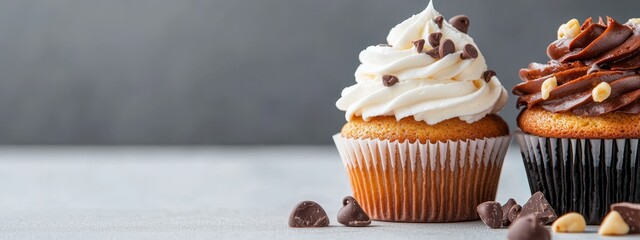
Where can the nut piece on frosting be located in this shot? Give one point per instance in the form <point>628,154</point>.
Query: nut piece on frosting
<point>571,29</point>
<point>570,223</point>
<point>613,224</point>
<point>601,92</point>
<point>547,86</point>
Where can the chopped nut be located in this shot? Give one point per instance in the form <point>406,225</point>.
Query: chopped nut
<point>613,224</point>
<point>570,29</point>
<point>547,86</point>
<point>601,92</point>
<point>570,223</point>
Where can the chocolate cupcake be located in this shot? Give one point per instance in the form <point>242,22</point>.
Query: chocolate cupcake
<point>580,116</point>
<point>422,142</point>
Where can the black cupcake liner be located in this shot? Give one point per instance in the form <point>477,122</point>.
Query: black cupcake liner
<point>582,175</point>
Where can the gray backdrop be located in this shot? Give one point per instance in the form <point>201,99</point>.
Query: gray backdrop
<point>225,71</point>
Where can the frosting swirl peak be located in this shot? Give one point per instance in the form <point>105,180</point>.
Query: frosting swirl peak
<point>437,74</point>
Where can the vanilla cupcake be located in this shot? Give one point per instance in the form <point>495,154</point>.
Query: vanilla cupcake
<point>579,123</point>
<point>422,142</point>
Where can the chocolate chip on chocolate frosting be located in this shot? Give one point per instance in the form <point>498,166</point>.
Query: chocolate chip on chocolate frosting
<point>438,20</point>
<point>447,47</point>
<point>308,214</point>
<point>528,228</point>
<point>630,213</point>
<point>434,39</point>
<point>469,51</point>
<point>389,80</point>
<point>352,215</point>
<point>539,207</point>
<point>460,22</point>
<point>419,44</point>
<point>434,53</point>
<point>491,214</point>
<point>594,68</point>
<point>487,75</point>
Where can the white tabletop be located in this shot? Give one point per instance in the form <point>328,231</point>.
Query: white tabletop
<point>199,193</point>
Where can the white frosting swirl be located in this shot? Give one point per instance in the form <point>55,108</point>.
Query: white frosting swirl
<point>430,90</point>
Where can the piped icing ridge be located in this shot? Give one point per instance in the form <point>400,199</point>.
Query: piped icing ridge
<point>430,69</point>
<point>593,70</point>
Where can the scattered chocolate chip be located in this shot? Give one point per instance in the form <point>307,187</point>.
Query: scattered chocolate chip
<point>384,45</point>
<point>308,214</point>
<point>630,213</point>
<point>540,208</point>
<point>505,209</point>
<point>447,47</point>
<point>460,22</point>
<point>487,75</point>
<point>528,228</point>
<point>434,53</point>
<point>508,209</point>
<point>514,212</point>
<point>438,20</point>
<point>434,39</point>
<point>469,51</point>
<point>389,80</point>
<point>352,215</point>
<point>491,214</point>
<point>419,44</point>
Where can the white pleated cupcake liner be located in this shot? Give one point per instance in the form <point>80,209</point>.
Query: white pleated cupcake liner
<point>582,175</point>
<point>416,182</point>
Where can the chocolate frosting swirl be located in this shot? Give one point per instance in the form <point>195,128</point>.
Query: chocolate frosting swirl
<point>599,53</point>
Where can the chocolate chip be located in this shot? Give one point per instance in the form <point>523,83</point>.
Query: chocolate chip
<point>447,47</point>
<point>434,39</point>
<point>528,228</point>
<point>514,212</point>
<point>491,214</point>
<point>389,80</point>
<point>434,53</point>
<point>506,211</point>
<point>487,75</point>
<point>419,44</point>
<point>460,22</point>
<point>594,68</point>
<point>630,213</point>
<point>540,208</point>
<point>469,51</point>
<point>308,214</point>
<point>384,45</point>
<point>352,215</point>
<point>505,208</point>
<point>438,20</point>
